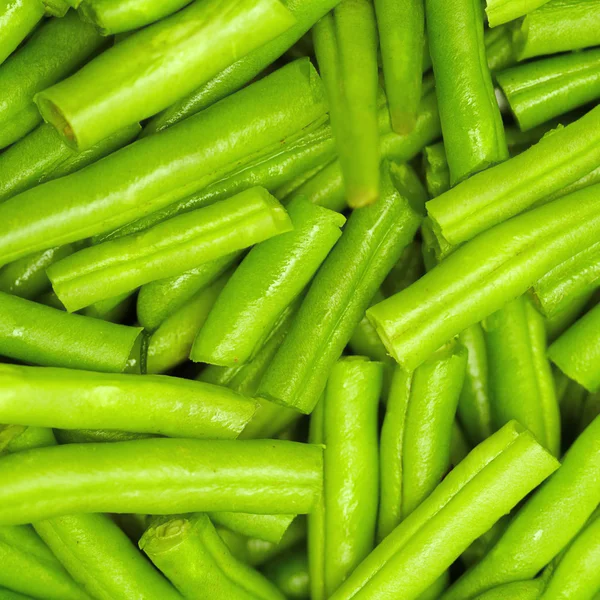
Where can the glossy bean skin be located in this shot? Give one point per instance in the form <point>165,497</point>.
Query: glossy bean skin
<point>545,525</point>
<point>500,11</point>
<point>372,242</point>
<point>54,51</point>
<point>346,48</point>
<point>168,167</point>
<point>509,188</point>
<point>341,531</point>
<point>558,26</point>
<point>576,351</point>
<point>267,281</point>
<point>416,434</point>
<point>471,120</point>
<point>70,399</point>
<point>110,16</point>
<point>541,90</point>
<point>244,70</point>
<point>489,482</point>
<point>521,386</point>
<point>50,337</point>
<point>167,249</point>
<point>268,476</point>
<point>190,552</point>
<point>270,528</point>
<point>16,21</point>
<point>502,263</point>
<point>157,65</point>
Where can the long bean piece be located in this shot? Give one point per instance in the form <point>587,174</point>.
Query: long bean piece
<point>267,281</point>
<point>488,483</point>
<point>50,337</point>
<point>17,19</point>
<point>507,189</point>
<point>168,167</point>
<point>167,249</point>
<point>119,87</point>
<point>545,525</point>
<point>372,242</point>
<point>471,120</point>
<point>346,423</point>
<point>416,434</point>
<point>481,276</point>
<point>70,399</point>
<point>254,476</point>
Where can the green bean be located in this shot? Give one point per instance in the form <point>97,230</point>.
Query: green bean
<point>162,299</point>
<point>168,166</point>
<point>371,244</point>
<point>306,14</point>
<point>346,423</point>
<point>435,165</point>
<point>8,433</point>
<point>502,263</point>
<point>590,410</point>
<point>474,406</point>
<point>154,67</point>
<point>12,595</point>
<point>459,446</point>
<point>541,90</point>
<point>287,190</point>
<point>92,436</point>
<point>49,397</point>
<point>54,51</point>
<point>558,26</point>
<point>521,386</point>
<point>574,278</point>
<point>416,434</point>
<point>560,322</point>
<point>46,336</point>
<point>477,550</point>
<point>190,552</point>
<point>518,590</point>
<point>503,11</point>
<point>56,8</point>
<point>406,271</point>
<point>111,309</point>
<point>499,48</point>
<point>43,156</point>
<point>29,567</point>
<point>488,483</point>
<point>365,341</point>
<point>545,525</point>
<point>346,49</point>
<point>267,281</point>
<point>17,19</point>
<point>402,35</point>
<point>32,437</point>
<point>507,189</point>
<point>576,352</point>
<point>271,528</point>
<point>471,120</point>
<point>167,249</point>
<point>289,572</point>
<point>591,178</point>
<point>256,476</point>
<point>112,16</point>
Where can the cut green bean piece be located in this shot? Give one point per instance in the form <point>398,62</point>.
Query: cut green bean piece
<point>541,90</point>
<point>70,399</point>
<point>154,67</point>
<point>54,51</point>
<point>267,281</point>
<point>471,120</point>
<point>558,26</point>
<point>162,299</point>
<point>189,551</point>
<point>255,476</point>
<point>487,484</point>
<point>416,434</point>
<point>167,249</point>
<point>168,167</point>
<point>17,19</point>
<point>346,49</point>
<point>231,79</point>
<point>499,48</point>
<point>545,525</point>
<point>46,336</point>
<point>521,386</point>
<point>483,275</point>
<point>503,11</point>
<point>507,189</point>
<point>560,322</point>
<point>289,572</point>
<point>373,240</point>
<point>577,351</point>
<point>271,528</point>
<point>401,28</point>
<point>345,421</point>
<point>116,16</point>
